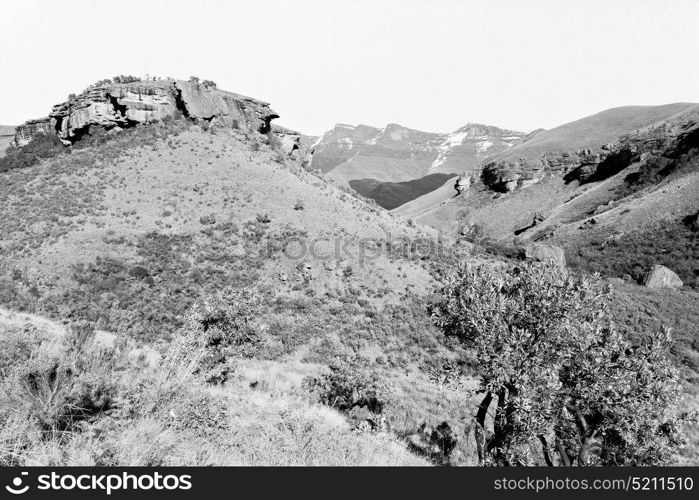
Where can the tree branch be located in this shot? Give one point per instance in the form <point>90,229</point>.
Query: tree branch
<point>562,453</point>
<point>545,450</point>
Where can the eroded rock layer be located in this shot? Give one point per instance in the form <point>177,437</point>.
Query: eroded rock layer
<point>123,105</point>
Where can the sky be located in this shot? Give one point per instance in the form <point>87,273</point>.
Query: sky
<point>425,64</point>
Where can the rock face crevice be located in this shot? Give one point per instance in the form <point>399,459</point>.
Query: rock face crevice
<point>123,105</point>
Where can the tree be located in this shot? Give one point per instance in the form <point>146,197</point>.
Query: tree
<point>221,329</point>
<point>567,388</point>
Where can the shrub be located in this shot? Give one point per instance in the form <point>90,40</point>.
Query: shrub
<point>57,390</point>
<point>221,328</point>
<point>349,384</point>
<point>559,373</point>
<point>263,218</point>
<point>126,79</point>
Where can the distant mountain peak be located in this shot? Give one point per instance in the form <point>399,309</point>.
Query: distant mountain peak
<point>397,153</point>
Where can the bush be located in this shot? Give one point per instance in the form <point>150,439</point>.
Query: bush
<point>263,218</point>
<point>126,79</point>
<point>560,374</point>
<point>55,391</point>
<point>220,329</point>
<point>349,384</point>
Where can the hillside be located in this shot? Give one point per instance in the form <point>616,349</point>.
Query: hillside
<point>564,183</point>
<point>149,223</point>
<point>390,195</point>
<point>593,131</point>
<point>130,229</point>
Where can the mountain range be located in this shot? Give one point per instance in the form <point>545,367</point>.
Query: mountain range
<point>364,157</point>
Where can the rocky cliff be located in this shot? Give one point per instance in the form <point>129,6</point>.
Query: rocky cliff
<point>611,140</point>
<point>112,105</point>
<point>664,138</point>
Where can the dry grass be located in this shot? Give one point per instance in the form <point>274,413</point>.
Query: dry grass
<point>158,419</point>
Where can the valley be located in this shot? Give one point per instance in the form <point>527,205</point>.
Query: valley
<point>255,284</point>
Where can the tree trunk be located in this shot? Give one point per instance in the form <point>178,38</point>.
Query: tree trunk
<point>479,429</point>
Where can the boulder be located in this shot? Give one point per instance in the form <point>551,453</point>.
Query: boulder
<point>462,183</point>
<point>662,277</point>
<point>547,253</point>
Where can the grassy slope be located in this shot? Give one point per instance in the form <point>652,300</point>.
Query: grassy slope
<point>105,202</point>
<point>114,234</point>
<point>595,130</point>
<point>274,423</point>
<point>428,202</point>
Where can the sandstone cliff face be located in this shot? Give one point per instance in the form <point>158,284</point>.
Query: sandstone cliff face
<point>127,104</point>
<point>31,128</point>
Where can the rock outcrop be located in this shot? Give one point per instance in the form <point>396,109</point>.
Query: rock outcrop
<point>547,253</point>
<point>506,176</point>
<point>290,140</point>
<point>462,183</point>
<point>669,138</point>
<point>25,132</point>
<point>112,105</point>
<point>662,277</point>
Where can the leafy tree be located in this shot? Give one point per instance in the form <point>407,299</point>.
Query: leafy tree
<point>567,388</point>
